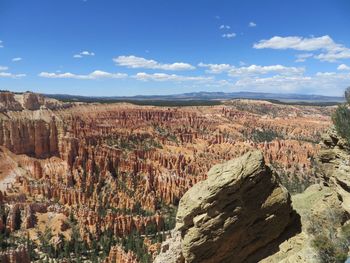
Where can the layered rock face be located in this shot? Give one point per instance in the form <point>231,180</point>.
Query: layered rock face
<point>33,137</point>
<point>334,164</point>
<point>8,102</point>
<point>238,210</point>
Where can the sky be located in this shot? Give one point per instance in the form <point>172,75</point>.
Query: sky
<point>125,48</point>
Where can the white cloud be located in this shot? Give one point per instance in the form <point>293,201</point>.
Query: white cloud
<point>16,59</point>
<point>250,70</point>
<point>84,54</point>
<point>97,74</point>
<point>333,56</point>
<point>1,44</point>
<point>297,43</point>
<point>252,24</point>
<point>327,83</point>
<point>11,75</point>
<point>169,77</point>
<point>215,68</point>
<point>229,35</point>
<point>283,83</point>
<point>302,57</point>
<point>4,74</point>
<point>139,62</point>
<point>224,27</point>
<point>343,67</point>
<point>331,51</point>
<point>261,70</point>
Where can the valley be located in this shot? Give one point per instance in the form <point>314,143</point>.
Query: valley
<point>97,180</point>
<point>105,172</point>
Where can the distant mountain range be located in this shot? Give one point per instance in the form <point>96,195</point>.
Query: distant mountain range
<point>204,96</point>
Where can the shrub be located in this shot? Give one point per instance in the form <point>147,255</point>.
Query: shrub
<point>347,94</point>
<point>331,243</point>
<point>341,121</point>
<point>264,135</point>
<point>328,250</point>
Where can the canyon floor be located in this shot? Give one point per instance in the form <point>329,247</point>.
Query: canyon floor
<point>101,182</point>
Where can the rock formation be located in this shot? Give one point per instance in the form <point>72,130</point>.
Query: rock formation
<point>323,208</point>
<point>8,102</point>
<point>238,210</point>
<point>32,101</point>
<point>118,255</point>
<point>18,255</point>
<point>28,101</point>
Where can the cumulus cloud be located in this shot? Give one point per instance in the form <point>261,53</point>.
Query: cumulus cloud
<point>252,24</point>
<point>16,59</point>
<point>328,83</point>
<point>302,57</point>
<point>97,74</point>
<point>11,75</point>
<point>169,77</point>
<point>224,27</point>
<point>215,68</point>
<point>298,43</point>
<point>330,50</point>
<point>343,67</point>
<point>84,53</point>
<point>229,35</point>
<point>283,83</point>
<point>4,74</point>
<point>139,62</point>
<point>333,56</point>
<point>250,70</point>
<point>261,70</point>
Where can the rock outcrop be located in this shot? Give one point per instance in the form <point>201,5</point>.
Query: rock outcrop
<point>8,102</point>
<point>15,255</point>
<point>32,101</point>
<point>233,214</point>
<point>171,250</point>
<point>33,137</point>
<point>333,163</point>
<point>118,255</point>
<point>28,101</point>
<point>323,209</point>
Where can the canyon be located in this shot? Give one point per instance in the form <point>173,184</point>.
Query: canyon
<point>114,174</point>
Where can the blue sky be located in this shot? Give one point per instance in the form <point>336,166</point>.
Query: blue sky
<point>105,47</point>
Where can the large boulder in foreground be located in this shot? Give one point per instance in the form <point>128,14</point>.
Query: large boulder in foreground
<point>234,214</point>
